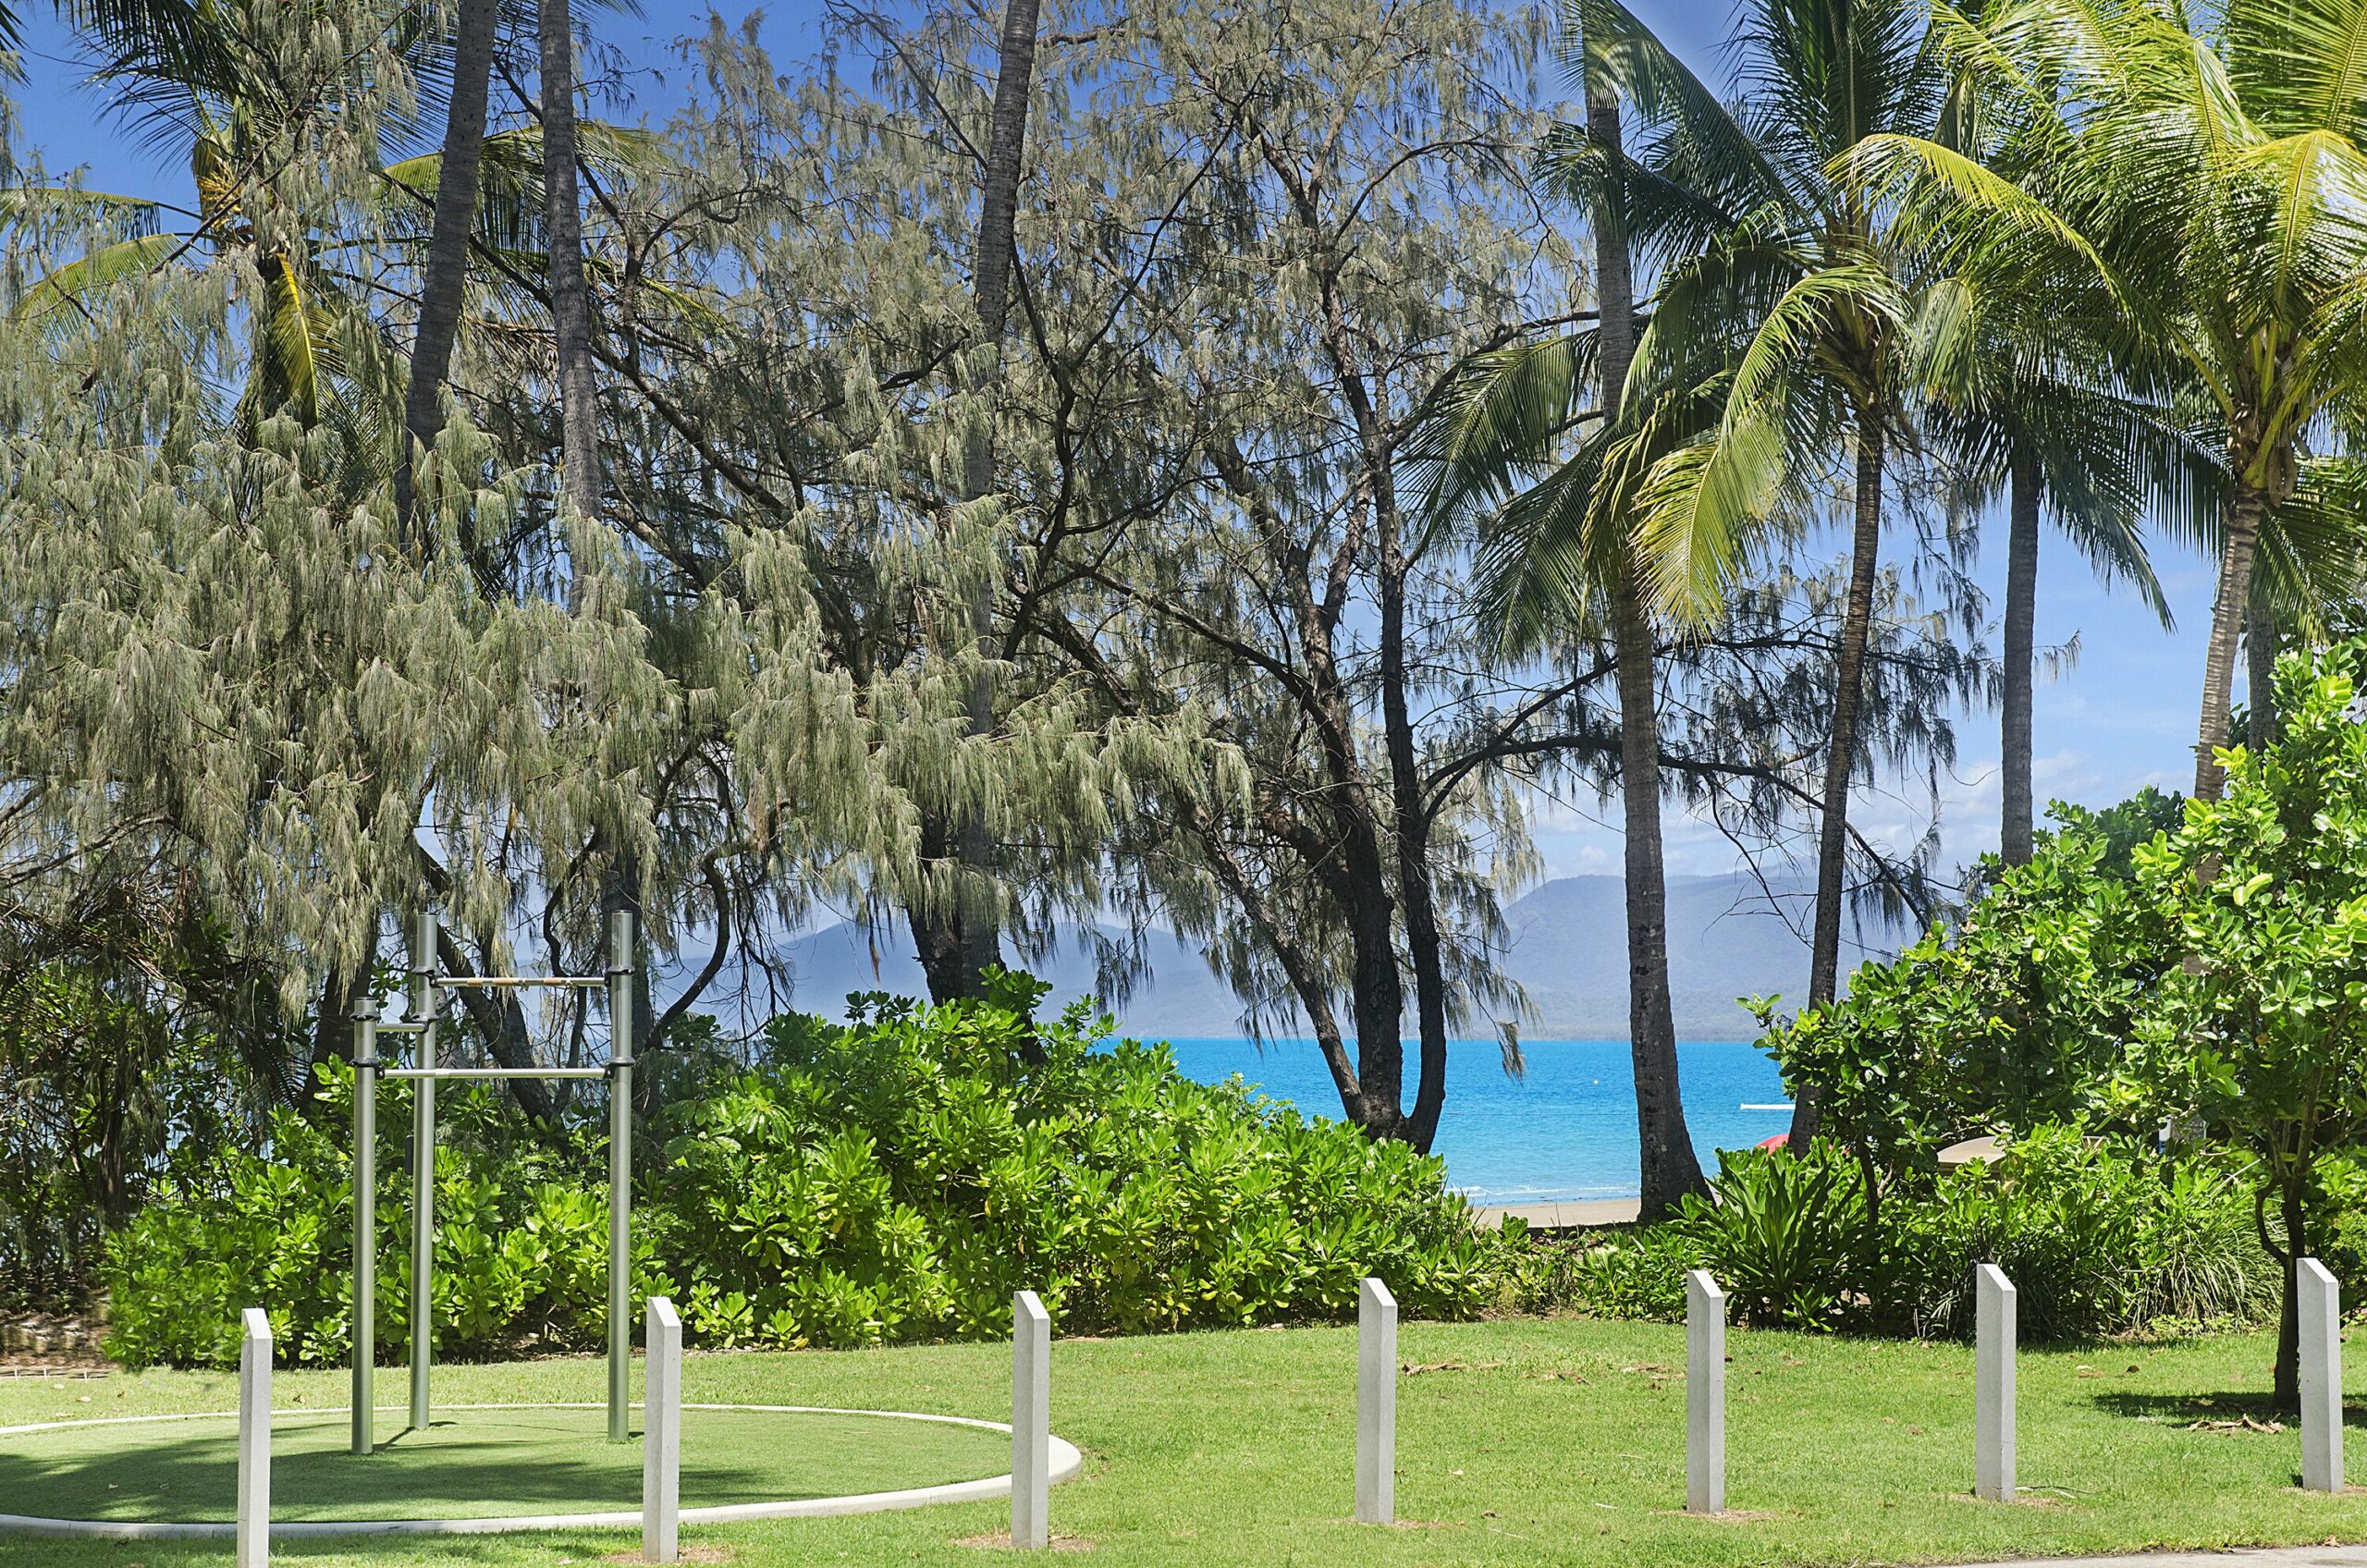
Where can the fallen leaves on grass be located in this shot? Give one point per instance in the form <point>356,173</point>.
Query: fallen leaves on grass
<point>2241,1424</point>
<point>1000,1541</point>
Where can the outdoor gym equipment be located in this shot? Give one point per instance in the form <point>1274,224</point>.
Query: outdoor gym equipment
<point>427,987</point>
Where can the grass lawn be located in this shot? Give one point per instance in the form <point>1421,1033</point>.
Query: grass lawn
<point>1519,1442</point>
<point>480,1462</point>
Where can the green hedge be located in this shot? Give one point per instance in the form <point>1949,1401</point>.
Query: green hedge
<point>892,1178</point>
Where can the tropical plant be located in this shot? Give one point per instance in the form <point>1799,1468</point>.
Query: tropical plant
<point>1560,551</point>
<point>2207,184</point>
<point>1788,303</point>
<point>2258,1026</point>
<point>892,1178</point>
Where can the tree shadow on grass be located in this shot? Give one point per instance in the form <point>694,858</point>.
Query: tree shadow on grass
<point>160,1474</point>
<point>2236,1405</point>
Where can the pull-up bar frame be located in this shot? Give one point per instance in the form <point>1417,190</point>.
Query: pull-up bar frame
<point>425,988</point>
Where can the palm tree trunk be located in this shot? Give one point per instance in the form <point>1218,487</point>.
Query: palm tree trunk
<point>1670,1169</point>
<point>2229,607</point>
<point>1841,751</point>
<point>2260,680</point>
<point>442,279</point>
<point>2021,624</point>
<point>958,943</point>
<point>570,299</point>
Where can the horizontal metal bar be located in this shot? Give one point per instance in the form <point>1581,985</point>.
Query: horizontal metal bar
<point>519,982</point>
<point>417,1028</point>
<point>495,1073</point>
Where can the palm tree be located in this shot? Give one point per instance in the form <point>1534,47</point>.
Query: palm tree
<point>2023,401</point>
<point>443,277</point>
<point>1559,553</point>
<point>2210,187</point>
<point>1785,293</point>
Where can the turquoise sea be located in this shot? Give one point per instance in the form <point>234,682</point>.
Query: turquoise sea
<point>1566,1130</point>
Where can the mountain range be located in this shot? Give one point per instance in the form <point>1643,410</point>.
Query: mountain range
<point>1568,951</point>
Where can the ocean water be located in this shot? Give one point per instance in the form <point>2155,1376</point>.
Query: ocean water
<point>1565,1130</point>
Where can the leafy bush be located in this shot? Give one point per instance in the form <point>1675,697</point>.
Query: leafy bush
<point>896,1177</point>
<point>905,1173</point>
<point>2100,1239</point>
<point>1787,1236</point>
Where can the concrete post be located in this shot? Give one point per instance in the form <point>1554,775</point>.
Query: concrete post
<point>661,1435</point>
<point>1031,1423</point>
<point>365,1225</point>
<point>2320,1303</point>
<point>1705,1394</point>
<point>620,1047</point>
<point>1993,1466</point>
<point>1376,1405</point>
<point>254,1440</point>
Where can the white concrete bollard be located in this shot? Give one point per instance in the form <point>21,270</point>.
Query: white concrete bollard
<point>661,1435</point>
<point>1705,1394</point>
<point>254,1440</point>
<point>1376,1405</point>
<point>2320,1305</point>
<point>1031,1423</point>
<point>1993,1462</point>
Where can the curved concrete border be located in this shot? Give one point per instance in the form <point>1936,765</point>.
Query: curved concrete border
<point>1066,1464</point>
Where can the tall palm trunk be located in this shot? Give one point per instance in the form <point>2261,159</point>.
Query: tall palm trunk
<point>2021,625</point>
<point>1841,749</point>
<point>1670,1169</point>
<point>2260,680</point>
<point>570,299</point>
<point>958,943</point>
<point>2229,607</point>
<point>441,280</point>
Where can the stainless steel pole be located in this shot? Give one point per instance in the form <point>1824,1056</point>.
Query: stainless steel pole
<point>422,1169</point>
<point>620,1005</point>
<point>366,1224</point>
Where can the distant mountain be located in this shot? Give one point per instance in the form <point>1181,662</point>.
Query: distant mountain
<point>1569,949</point>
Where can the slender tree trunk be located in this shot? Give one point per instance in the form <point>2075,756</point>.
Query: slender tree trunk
<point>1412,821</point>
<point>442,279</point>
<point>2259,680</point>
<point>1841,751</point>
<point>2288,1379</point>
<point>960,941</point>
<point>570,299</point>
<point>1670,1169</point>
<point>2229,605</point>
<point>1378,1000</point>
<point>2021,627</point>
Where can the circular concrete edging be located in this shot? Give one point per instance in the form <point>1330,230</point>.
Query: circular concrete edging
<point>1067,1462</point>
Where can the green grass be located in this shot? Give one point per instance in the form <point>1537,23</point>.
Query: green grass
<point>481,1461</point>
<point>1526,1442</point>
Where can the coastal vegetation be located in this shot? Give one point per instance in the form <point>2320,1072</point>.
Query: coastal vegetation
<point>1210,468</point>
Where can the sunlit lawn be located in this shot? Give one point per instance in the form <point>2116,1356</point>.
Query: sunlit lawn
<point>1520,1442</point>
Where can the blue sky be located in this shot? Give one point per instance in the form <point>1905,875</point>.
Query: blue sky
<point>2120,717</point>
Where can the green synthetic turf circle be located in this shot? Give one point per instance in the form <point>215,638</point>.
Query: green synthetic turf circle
<point>477,1464</point>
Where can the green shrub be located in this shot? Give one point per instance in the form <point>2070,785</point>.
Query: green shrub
<point>2099,1239</point>
<point>1787,1236</point>
<point>905,1173</point>
<point>896,1177</point>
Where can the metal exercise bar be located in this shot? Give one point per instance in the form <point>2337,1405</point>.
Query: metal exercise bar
<point>620,1019</point>
<point>365,1225</point>
<point>425,986</point>
<point>520,982</point>
<point>422,1167</point>
<point>442,1072</point>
